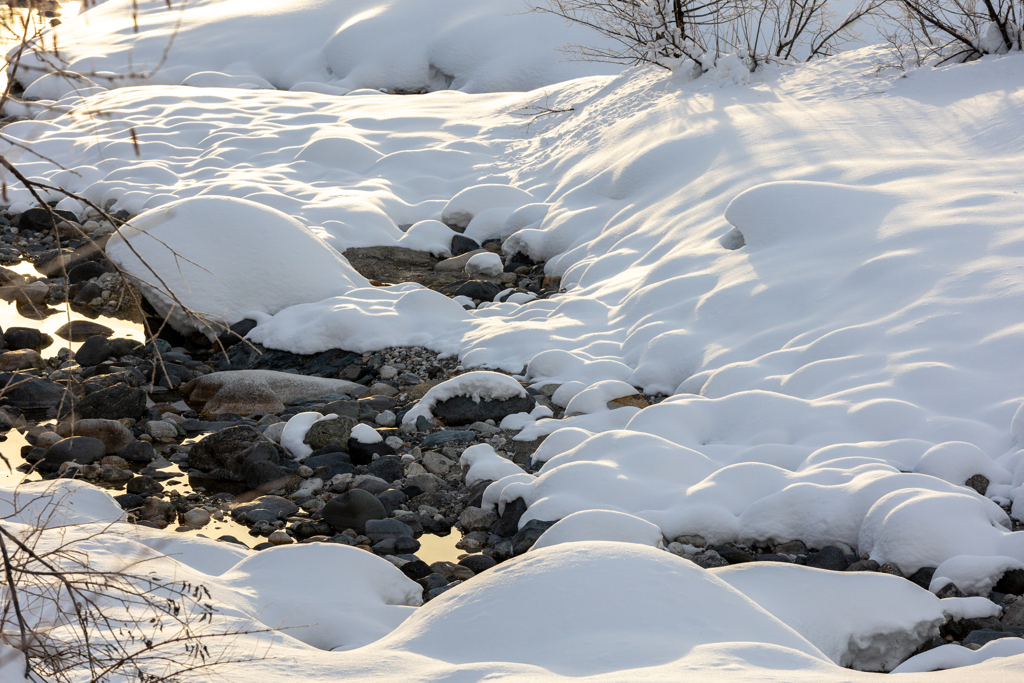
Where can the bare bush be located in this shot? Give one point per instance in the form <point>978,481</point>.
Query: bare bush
<point>951,31</point>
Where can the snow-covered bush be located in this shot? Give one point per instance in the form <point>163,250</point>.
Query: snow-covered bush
<point>953,31</point>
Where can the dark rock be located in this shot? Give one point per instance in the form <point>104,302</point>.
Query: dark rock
<point>144,486</point>
<point>392,499</point>
<point>478,563</point>
<point>463,410</point>
<point>138,451</point>
<point>26,392</point>
<point>440,527</point>
<point>447,436</point>
<point>791,548</point>
<point>503,550</point>
<point>463,245</point>
<point>38,219</point>
<point>379,529</point>
<point>733,555</point>
<point>352,509</point>
<point>84,450</point>
<point>17,338</point>
<point>979,482</point>
<point>85,271</point>
<point>829,557</point>
<point>986,635</point>
<point>405,545</point>
<point>112,403</point>
<point>88,292</point>
<point>94,351</point>
<point>474,289</point>
<point>959,629</point>
<point>508,524</point>
<point>362,453</point>
<point>227,538</point>
<point>432,581</point>
<point>265,508</point>
<point>334,432</point>
<point>923,577</point>
<point>412,491</point>
<point>342,408</point>
<point>129,501</point>
<point>417,569</point>
<point>950,590</point>
<point>125,347</point>
<point>863,566</point>
<point>389,468</point>
<point>1012,582</point>
<point>309,529</point>
<point>227,449</point>
<point>431,594</point>
<point>264,475</point>
<point>773,557</point>
<point>330,458</point>
<point>528,535</point>
<point>81,330</point>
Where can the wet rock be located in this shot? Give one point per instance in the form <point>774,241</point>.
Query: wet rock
<point>196,517</point>
<point>352,509</point>
<point>29,393</point>
<point>80,449</point>
<point>16,338</point>
<point>144,486</point>
<point>81,330</point>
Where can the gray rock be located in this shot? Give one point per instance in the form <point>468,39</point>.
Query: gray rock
<point>138,451</point>
<point>94,351</point>
<point>379,529</point>
<point>1013,616</point>
<point>528,535</point>
<point>265,508</point>
<point>979,482</point>
<point>710,560</point>
<point>342,409</point>
<point>112,403</point>
<point>114,435</point>
<point>352,510</point>
<point>922,577</point>
<point>26,392</point>
<point>16,338</point>
<point>81,330</point>
<point>330,432</point>
<point>478,563</point>
<point>227,449</point>
<point>791,548</point>
<point>371,484</point>
<point>427,483</point>
<point>830,557</point>
<point>984,636</point>
<point>81,449</point>
<point>389,468</point>
<point>144,486</point>
<point>462,410</point>
<point>733,555</point>
<point>476,519</point>
<point>950,590</point>
<point>446,436</point>
<point>432,581</point>
<point>435,463</point>
<point>863,566</point>
<point>263,475</point>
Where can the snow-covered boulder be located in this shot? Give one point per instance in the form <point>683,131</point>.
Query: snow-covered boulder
<point>473,397</point>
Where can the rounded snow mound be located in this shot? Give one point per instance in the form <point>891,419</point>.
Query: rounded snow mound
<point>479,385</point>
<point>593,608</point>
<point>226,258</point>
<point>600,525</point>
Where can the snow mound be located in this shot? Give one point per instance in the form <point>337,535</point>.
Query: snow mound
<point>463,207</point>
<point>860,620</point>
<point>600,525</point>
<point>486,265</point>
<point>595,398</point>
<point>364,433</point>
<point>59,503</point>
<point>484,463</point>
<point>973,574</point>
<point>479,385</point>
<point>956,656</point>
<point>431,236</point>
<point>225,258</point>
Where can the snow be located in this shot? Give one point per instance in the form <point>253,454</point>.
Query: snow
<point>484,463</point>
<point>866,621</point>
<point>956,656</point>
<point>957,609</point>
<point>468,204</point>
<point>973,574</point>
<point>486,265</point>
<point>595,398</point>
<point>295,431</point>
<point>56,504</point>
<point>479,385</point>
<point>600,525</point>
<point>366,434</point>
<point>225,258</point>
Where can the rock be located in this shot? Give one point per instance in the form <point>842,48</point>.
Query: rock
<point>829,557</point>
<point>1011,583</point>
<point>137,451</point>
<point>158,429</point>
<point>157,511</point>
<point>476,519</point>
<point>979,482</point>
<point>280,537</point>
<point>432,581</point>
<point>435,463</point>
<point>381,389</point>
<point>891,568</point>
<point>416,570</point>
<point>981,637</point>
<point>389,468</point>
<point>710,559</point>
<point>81,330</point>
<point>478,563</point>
<point>23,359</point>
<point>330,432</point>
<point>85,271</point>
<point>81,449</point>
<point>285,385</point>
<point>379,529</point>
<point>114,475</point>
<point>733,555</point>
<point>29,294</point>
<point>463,410</point>
<point>922,577</point>
<point>309,529</point>
<point>634,401</point>
<point>29,393</point>
<point>264,475</point>
<point>950,590</point>
<point>391,499</point>
<point>47,439</point>
<point>462,245</point>
<point>457,263</point>
<point>224,449</point>
<point>447,436</point>
<point>362,453</point>
<point>16,338</point>
<point>528,535</point>
<point>94,351</point>
<point>482,290</point>
<point>508,524</point>
<point>427,483</point>
<point>124,347</point>
<point>144,486</point>
<point>114,435</point>
<point>265,509</point>
<point>863,566</point>
<point>485,265</point>
<point>342,409</point>
<point>774,557</point>
<point>386,419</point>
<point>112,403</point>
<point>352,509</point>
<point>39,219</point>
<point>196,517</point>
<point>1013,616</point>
<point>371,484</point>
<point>452,571</point>
<point>244,396</point>
<point>129,501</point>
<point>788,548</point>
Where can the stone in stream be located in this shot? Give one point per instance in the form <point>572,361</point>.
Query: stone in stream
<point>26,392</point>
<point>94,351</point>
<point>81,330</point>
<point>478,563</point>
<point>352,509</point>
<point>16,338</point>
<point>244,396</point>
<point>114,435</point>
<point>85,271</point>
<point>463,410</point>
<point>265,508</point>
<point>22,359</point>
<point>112,403</point>
<point>138,452</point>
<point>38,219</point>
<point>144,486</point>
<point>227,449</point>
<point>81,449</point>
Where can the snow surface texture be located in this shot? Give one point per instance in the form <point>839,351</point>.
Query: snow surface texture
<point>480,385</point>
<point>318,46</point>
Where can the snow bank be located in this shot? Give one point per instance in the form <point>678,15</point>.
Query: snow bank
<point>866,621</point>
<point>59,503</point>
<point>600,525</point>
<point>225,258</point>
<point>479,386</point>
<point>972,574</point>
<point>403,45</point>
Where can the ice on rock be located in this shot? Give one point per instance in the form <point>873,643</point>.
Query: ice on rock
<point>600,525</point>
<point>479,385</point>
<point>861,620</point>
<point>226,258</point>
